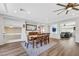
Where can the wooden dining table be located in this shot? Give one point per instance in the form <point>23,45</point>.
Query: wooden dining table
<point>40,38</point>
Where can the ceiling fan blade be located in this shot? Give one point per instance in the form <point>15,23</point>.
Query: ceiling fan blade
<point>60,12</point>
<point>67,11</point>
<point>61,4</point>
<point>75,9</point>
<point>76,4</point>
<point>59,9</point>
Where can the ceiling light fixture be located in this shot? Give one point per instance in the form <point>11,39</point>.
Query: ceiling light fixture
<point>22,9</point>
<point>28,12</point>
<point>15,11</point>
<point>69,8</point>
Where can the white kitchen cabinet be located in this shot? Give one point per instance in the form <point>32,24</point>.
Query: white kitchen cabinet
<point>12,34</point>
<point>10,30</point>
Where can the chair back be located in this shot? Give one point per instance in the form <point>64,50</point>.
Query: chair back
<point>30,34</point>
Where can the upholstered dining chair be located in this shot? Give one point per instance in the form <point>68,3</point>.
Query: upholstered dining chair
<point>46,38</point>
<point>33,39</point>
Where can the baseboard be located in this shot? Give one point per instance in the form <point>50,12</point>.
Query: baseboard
<point>2,43</point>
<point>54,38</point>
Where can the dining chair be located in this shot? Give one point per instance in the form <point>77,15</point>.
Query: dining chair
<point>33,40</point>
<point>46,38</point>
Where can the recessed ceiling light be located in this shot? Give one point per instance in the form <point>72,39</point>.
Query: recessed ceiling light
<point>73,14</point>
<point>15,11</point>
<point>28,12</point>
<point>22,9</point>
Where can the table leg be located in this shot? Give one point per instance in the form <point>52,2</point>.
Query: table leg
<point>41,42</point>
<point>27,44</point>
<point>33,44</point>
<point>48,40</point>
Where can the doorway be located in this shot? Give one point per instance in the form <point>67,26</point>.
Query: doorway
<point>67,30</point>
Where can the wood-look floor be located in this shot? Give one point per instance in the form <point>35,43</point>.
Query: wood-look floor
<point>12,49</point>
<point>63,47</point>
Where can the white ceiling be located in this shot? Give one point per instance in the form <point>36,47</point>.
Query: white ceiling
<point>38,12</point>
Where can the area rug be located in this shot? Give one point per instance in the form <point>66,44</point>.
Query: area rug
<point>37,51</point>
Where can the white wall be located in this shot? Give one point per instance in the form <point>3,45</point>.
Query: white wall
<point>43,28</point>
<point>67,26</point>
<point>77,31</point>
<point>66,30</point>
<point>46,29</point>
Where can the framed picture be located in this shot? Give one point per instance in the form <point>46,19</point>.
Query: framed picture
<point>54,29</point>
<point>30,27</point>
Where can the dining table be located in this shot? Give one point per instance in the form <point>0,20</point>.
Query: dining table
<point>39,38</point>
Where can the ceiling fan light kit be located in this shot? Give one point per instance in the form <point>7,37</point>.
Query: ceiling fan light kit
<point>69,8</point>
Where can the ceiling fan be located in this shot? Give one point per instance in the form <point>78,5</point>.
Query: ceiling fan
<point>67,7</point>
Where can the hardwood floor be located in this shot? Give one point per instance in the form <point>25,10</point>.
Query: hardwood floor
<point>12,49</point>
<point>63,47</point>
